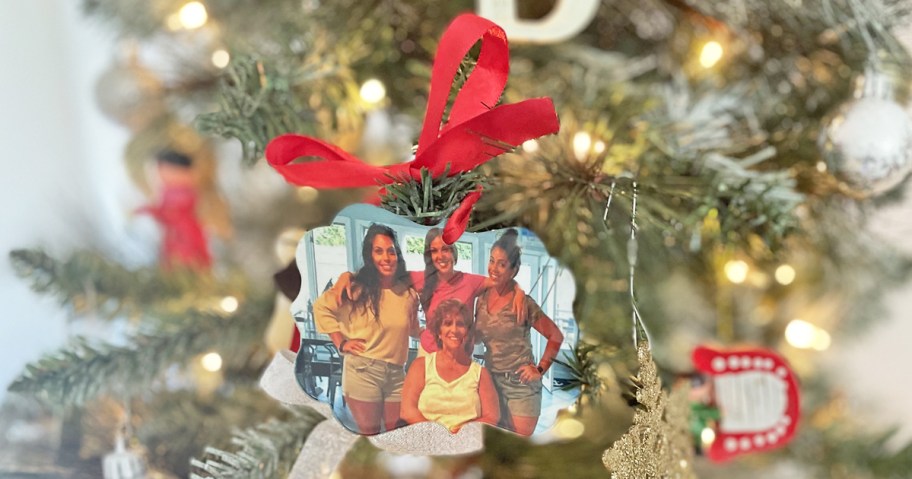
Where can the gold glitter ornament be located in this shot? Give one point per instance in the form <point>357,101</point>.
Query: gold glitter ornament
<point>658,444</point>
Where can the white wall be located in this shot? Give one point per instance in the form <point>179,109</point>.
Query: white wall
<point>60,160</point>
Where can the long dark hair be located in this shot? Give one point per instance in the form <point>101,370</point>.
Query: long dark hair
<point>368,278</point>
<point>507,244</point>
<point>431,275</point>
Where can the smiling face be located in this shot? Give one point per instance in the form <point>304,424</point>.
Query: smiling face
<point>453,331</point>
<point>442,256</point>
<point>499,268</point>
<point>383,254</point>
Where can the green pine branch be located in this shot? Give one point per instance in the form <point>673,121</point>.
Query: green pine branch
<point>429,200</point>
<point>87,280</point>
<point>265,451</point>
<point>84,370</point>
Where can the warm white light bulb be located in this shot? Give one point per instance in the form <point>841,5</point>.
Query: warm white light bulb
<point>530,146</point>
<point>582,142</point>
<point>801,334</point>
<point>220,58</point>
<point>599,147</point>
<point>711,54</point>
<point>707,436</point>
<point>307,194</point>
<point>785,274</point>
<point>373,91</point>
<point>569,428</point>
<point>736,271</point>
<point>229,304</point>
<point>211,362</point>
<point>821,340</point>
<point>193,15</point>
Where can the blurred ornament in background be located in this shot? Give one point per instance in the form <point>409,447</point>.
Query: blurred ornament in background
<point>867,143</point>
<point>129,93</point>
<point>123,463</point>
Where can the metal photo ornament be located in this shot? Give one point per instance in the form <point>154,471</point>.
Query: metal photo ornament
<point>399,328</point>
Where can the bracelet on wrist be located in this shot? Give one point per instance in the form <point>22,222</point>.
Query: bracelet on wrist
<point>541,370</point>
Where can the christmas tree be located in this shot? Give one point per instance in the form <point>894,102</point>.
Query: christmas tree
<point>719,157</point>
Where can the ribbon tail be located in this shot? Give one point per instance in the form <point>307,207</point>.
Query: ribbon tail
<point>335,168</point>
<point>324,450</point>
<point>459,220</point>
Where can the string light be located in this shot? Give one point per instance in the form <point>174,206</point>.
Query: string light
<point>785,274</point>
<point>229,304</point>
<point>530,146</point>
<point>373,91</point>
<point>804,335</point>
<point>220,58</point>
<point>582,142</point>
<point>710,54</point>
<point>569,428</point>
<point>599,147</point>
<point>211,362</point>
<point>736,271</point>
<point>707,436</point>
<point>307,194</point>
<point>192,15</point>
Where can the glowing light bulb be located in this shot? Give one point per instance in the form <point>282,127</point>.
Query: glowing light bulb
<point>582,142</point>
<point>707,436</point>
<point>711,54</point>
<point>229,304</point>
<point>530,146</point>
<point>804,335</point>
<point>822,340</point>
<point>785,274</point>
<point>373,91</point>
<point>599,147</point>
<point>192,15</point>
<point>211,362</point>
<point>307,194</point>
<point>220,58</point>
<point>736,271</point>
<point>569,428</point>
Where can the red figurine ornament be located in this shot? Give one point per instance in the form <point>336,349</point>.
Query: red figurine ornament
<point>184,243</point>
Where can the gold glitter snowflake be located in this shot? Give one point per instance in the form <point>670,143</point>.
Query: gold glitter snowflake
<point>658,444</point>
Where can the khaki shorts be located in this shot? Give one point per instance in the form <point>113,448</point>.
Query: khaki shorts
<point>517,398</point>
<point>372,380</point>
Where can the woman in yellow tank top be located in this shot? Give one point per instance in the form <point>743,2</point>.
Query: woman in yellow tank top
<point>446,386</point>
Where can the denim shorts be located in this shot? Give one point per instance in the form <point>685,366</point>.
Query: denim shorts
<point>516,397</point>
<point>372,380</point>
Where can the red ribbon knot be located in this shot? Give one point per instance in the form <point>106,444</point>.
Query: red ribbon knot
<point>474,133</point>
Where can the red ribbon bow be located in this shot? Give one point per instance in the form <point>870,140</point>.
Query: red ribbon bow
<point>474,133</point>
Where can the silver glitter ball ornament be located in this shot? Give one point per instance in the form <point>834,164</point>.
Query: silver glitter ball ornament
<point>867,143</point>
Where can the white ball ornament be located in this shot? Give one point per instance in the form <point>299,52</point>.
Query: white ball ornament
<point>867,143</point>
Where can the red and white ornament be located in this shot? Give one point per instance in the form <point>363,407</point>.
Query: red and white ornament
<point>757,396</point>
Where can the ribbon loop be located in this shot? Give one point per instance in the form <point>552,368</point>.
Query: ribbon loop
<point>484,85</point>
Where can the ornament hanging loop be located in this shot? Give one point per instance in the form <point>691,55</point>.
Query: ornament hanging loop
<point>640,333</point>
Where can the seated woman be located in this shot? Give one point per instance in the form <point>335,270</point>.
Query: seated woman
<point>372,328</point>
<point>446,386</point>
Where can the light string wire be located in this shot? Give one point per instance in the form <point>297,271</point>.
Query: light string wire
<point>639,330</point>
